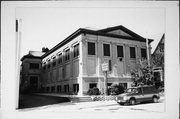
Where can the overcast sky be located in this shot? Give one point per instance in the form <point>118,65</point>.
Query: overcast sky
<point>49,26</point>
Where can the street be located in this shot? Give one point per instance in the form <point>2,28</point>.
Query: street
<point>100,106</point>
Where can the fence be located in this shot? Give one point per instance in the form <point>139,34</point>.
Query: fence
<point>103,98</point>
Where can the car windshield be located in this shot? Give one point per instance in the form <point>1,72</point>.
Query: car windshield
<point>131,90</point>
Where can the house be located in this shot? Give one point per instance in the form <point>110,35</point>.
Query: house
<point>30,72</point>
<point>158,59</point>
<point>75,65</point>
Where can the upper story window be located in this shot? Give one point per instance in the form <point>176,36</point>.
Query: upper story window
<point>132,52</point>
<point>120,51</point>
<point>54,60</point>
<point>49,66</point>
<point>60,58</point>
<point>91,48</point>
<point>44,67</point>
<point>67,54</point>
<point>143,53</point>
<point>106,49</point>
<point>34,66</point>
<point>76,50</point>
<point>54,63</point>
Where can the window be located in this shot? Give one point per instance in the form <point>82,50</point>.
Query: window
<point>47,89</point>
<point>76,50</point>
<point>34,66</point>
<point>76,87</point>
<point>143,53</point>
<point>54,63</point>
<point>44,67</point>
<point>92,85</point>
<point>132,52</point>
<point>49,65</point>
<point>53,89</point>
<point>67,54</point>
<point>120,51</point>
<point>124,85</point>
<point>58,88</point>
<point>66,88</point>
<point>60,58</point>
<point>109,84</point>
<point>91,48</point>
<point>106,48</point>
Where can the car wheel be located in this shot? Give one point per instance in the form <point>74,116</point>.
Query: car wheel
<point>132,101</point>
<point>155,99</point>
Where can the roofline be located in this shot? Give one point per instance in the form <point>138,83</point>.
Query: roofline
<point>159,43</point>
<point>123,29</point>
<point>115,36</point>
<point>87,31</point>
<point>69,38</point>
<point>34,57</point>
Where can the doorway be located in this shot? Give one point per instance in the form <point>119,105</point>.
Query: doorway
<point>33,83</point>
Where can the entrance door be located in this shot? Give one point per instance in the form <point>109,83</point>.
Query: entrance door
<point>33,83</point>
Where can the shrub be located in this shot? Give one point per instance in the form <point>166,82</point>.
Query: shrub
<point>93,91</point>
<point>115,89</point>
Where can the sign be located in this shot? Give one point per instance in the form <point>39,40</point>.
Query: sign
<point>105,67</point>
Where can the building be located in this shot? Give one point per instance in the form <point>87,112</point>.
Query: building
<point>75,65</point>
<point>158,59</point>
<point>30,72</point>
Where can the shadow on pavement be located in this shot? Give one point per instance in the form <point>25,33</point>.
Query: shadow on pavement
<point>30,100</point>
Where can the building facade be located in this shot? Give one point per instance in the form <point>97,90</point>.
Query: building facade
<point>30,72</point>
<point>75,65</point>
<point>158,60</point>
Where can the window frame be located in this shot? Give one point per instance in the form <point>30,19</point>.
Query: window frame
<point>134,52</point>
<point>89,50</point>
<point>109,50</point>
<point>67,54</point>
<point>118,50</point>
<point>145,53</point>
<point>76,50</point>
<point>30,65</point>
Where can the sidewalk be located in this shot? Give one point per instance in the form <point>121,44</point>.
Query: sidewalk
<point>73,98</point>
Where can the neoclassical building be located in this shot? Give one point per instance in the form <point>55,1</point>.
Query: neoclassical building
<point>75,65</point>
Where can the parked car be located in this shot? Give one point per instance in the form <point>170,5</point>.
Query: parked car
<point>139,94</point>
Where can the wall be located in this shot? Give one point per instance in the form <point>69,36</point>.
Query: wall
<point>121,70</point>
<point>64,73</point>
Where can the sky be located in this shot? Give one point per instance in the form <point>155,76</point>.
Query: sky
<point>46,27</point>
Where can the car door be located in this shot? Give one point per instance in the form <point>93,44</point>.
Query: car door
<point>139,95</point>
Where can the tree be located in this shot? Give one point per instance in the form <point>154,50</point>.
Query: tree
<point>158,60</point>
<point>144,74</point>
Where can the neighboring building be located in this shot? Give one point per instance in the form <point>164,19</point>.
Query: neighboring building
<point>158,60</point>
<point>30,72</point>
<point>74,65</point>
